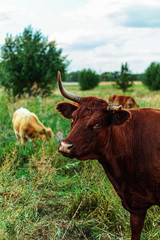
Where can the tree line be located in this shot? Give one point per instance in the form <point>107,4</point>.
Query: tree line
<point>103,77</point>
<point>29,64</point>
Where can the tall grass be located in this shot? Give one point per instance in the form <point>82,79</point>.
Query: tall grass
<point>46,196</point>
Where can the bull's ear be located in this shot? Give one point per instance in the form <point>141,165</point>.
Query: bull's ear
<point>66,109</point>
<point>119,117</point>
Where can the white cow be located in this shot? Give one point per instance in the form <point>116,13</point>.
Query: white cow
<point>27,127</point>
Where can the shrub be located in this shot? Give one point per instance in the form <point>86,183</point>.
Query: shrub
<point>125,80</point>
<point>30,64</point>
<point>152,76</point>
<point>88,79</point>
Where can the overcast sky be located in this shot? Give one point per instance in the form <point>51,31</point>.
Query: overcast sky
<point>96,34</point>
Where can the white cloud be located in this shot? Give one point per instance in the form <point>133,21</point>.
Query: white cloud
<point>97,34</point>
<point>107,33</point>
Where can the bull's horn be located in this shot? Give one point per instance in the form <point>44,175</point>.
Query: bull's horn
<point>65,93</point>
<point>114,108</point>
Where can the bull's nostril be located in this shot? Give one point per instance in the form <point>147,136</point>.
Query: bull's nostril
<point>70,147</point>
<point>65,147</point>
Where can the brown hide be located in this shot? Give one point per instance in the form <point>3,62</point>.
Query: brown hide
<point>125,101</point>
<point>126,143</point>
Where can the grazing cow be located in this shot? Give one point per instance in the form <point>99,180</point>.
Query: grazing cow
<point>125,101</point>
<point>125,142</point>
<point>27,127</point>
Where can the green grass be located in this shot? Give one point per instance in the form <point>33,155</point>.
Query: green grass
<point>44,195</point>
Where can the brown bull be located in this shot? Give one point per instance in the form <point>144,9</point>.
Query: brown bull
<point>125,142</point>
<point>125,101</point>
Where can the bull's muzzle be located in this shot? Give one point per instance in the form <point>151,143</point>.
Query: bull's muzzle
<point>65,147</point>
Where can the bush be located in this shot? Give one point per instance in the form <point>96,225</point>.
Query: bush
<point>152,76</point>
<point>125,80</point>
<point>88,79</point>
<point>30,64</point>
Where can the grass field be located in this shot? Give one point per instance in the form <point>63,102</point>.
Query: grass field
<point>44,195</point>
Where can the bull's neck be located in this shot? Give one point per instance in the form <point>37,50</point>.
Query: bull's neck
<point>114,157</point>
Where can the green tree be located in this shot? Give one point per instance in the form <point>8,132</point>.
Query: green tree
<point>30,63</point>
<point>138,77</point>
<point>88,79</point>
<point>1,77</point>
<point>107,76</point>
<point>125,80</point>
<point>73,76</point>
<point>152,76</point>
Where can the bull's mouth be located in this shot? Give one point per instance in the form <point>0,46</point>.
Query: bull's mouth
<point>67,155</point>
<point>79,157</point>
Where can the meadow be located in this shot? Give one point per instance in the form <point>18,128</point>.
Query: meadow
<point>44,195</point>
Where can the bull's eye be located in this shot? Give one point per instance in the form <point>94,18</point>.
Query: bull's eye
<point>97,125</point>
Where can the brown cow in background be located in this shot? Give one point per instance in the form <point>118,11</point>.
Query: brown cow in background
<point>125,101</point>
<point>125,142</point>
